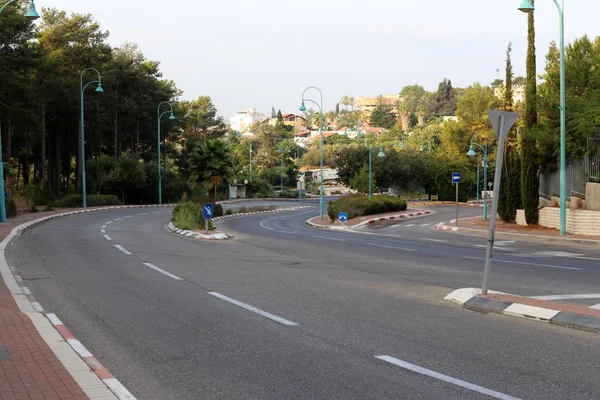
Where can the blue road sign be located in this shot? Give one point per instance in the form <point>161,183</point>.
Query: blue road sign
<point>343,217</point>
<point>208,210</point>
<point>456,177</point>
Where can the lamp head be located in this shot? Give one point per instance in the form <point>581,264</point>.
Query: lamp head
<point>302,107</point>
<point>172,116</point>
<point>471,152</point>
<point>403,145</point>
<point>381,153</point>
<point>421,149</point>
<point>527,6</point>
<point>99,88</point>
<point>32,14</point>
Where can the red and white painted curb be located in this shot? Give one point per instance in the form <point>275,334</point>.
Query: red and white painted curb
<point>442,227</point>
<point>371,221</point>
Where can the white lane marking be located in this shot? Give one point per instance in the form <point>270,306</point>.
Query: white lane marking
<point>255,310</point>
<point>143,214</point>
<point>157,212</point>
<point>162,271</point>
<point>567,297</point>
<point>108,223</point>
<point>409,225</point>
<point>118,389</point>
<point>596,307</point>
<point>588,258</point>
<point>107,237</point>
<point>103,226</point>
<point>263,225</point>
<point>434,240</point>
<point>117,219</point>
<point>495,248</point>
<point>25,290</point>
<point>445,378</point>
<point>505,242</point>
<point>328,238</point>
<point>123,249</point>
<point>390,247</point>
<point>79,348</point>
<point>54,319</point>
<point>424,224</point>
<point>526,263</point>
<point>129,216</point>
<point>102,230</point>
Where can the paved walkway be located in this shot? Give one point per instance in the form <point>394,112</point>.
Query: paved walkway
<point>29,368</point>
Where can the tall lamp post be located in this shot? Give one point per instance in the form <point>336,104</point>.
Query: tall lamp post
<point>31,14</point>
<point>159,117</point>
<point>299,170</point>
<point>381,154</point>
<point>527,7</point>
<point>282,151</point>
<point>82,119</point>
<point>473,153</point>
<point>303,108</point>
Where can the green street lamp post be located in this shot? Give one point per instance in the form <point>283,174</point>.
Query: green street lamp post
<point>473,153</point>
<point>82,119</point>
<point>527,6</point>
<point>299,170</point>
<point>250,174</point>
<point>159,118</point>
<point>282,151</point>
<point>303,108</point>
<point>427,143</point>
<point>402,144</point>
<point>381,154</point>
<point>31,14</point>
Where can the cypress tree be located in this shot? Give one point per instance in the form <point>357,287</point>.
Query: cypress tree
<point>530,184</point>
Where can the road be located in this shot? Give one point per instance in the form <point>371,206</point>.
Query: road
<point>287,312</point>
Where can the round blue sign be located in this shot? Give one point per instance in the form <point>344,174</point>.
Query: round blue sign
<point>208,211</point>
<point>342,217</point>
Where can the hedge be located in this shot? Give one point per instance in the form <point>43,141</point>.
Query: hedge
<point>356,205</point>
<point>188,216</point>
<point>76,200</point>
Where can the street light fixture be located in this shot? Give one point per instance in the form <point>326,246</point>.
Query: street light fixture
<point>303,108</point>
<point>428,146</point>
<point>527,7</point>
<point>473,153</point>
<point>82,119</point>
<point>31,14</point>
<point>171,117</point>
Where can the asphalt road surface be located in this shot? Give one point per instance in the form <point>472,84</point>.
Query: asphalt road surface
<point>284,311</point>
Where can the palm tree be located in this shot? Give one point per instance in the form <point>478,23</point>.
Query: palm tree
<point>210,162</point>
<point>404,114</point>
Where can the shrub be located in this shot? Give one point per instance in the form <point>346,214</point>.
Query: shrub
<point>34,209</point>
<point>49,208</point>
<point>259,188</point>
<point>356,205</point>
<point>243,210</point>
<point>11,207</point>
<point>187,215</point>
<point>229,211</point>
<point>218,210</point>
<point>288,194</point>
<point>76,200</point>
<point>36,195</point>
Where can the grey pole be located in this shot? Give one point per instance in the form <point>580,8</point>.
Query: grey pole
<point>457,204</point>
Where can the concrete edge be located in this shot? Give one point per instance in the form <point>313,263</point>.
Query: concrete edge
<point>533,238</point>
<point>470,298</point>
<point>93,378</point>
<point>404,216</point>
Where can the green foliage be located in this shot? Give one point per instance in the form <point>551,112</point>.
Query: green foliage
<point>11,207</point>
<point>445,99</point>
<point>210,163</point>
<point>36,195</point>
<point>383,116</point>
<point>259,188</point>
<point>360,181</point>
<point>356,205</point>
<point>188,215</point>
<point>510,188</point>
<point>229,211</point>
<point>94,200</point>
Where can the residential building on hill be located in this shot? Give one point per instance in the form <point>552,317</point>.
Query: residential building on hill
<point>368,104</point>
<point>243,120</point>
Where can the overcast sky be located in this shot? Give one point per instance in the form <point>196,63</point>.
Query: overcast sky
<point>263,53</point>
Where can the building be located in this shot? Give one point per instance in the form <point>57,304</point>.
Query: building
<point>518,93</point>
<point>243,120</point>
<point>367,104</point>
<point>297,121</point>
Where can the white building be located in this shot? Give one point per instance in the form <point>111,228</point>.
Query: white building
<point>243,120</point>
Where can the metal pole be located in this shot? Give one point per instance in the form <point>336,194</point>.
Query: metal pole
<point>485,182</point>
<point>370,174</point>
<point>281,172</point>
<point>477,180</point>
<point>83,183</point>
<point>563,129</point>
<point>158,156</point>
<point>2,199</point>
<point>250,180</point>
<point>492,227</point>
<point>229,148</point>
<point>321,155</point>
<point>299,168</point>
<point>457,204</point>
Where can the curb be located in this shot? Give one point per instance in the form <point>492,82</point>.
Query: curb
<point>472,298</point>
<point>261,212</point>
<point>28,304</point>
<point>371,221</point>
<point>523,236</point>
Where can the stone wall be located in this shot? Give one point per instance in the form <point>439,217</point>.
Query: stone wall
<point>579,222</point>
<point>592,196</point>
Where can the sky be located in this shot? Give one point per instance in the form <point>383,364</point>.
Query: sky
<point>264,53</point>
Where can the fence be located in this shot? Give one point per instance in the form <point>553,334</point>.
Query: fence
<point>592,161</point>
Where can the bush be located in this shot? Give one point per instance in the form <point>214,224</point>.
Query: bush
<point>288,194</point>
<point>187,215</point>
<point>259,188</point>
<point>229,211</point>
<point>356,205</point>
<point>76,200</point>
<point>36,195</point>
<point>11,207</point>
<point>218,210</point>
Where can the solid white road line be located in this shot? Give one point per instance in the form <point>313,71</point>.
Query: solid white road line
<point>596,307</point>
<point>263,225</point>
<point>123,249</point>
<point>162,271</point>
<point>390,247</point>
<point>445,378</point>
<point>107,237</point>
<point>254,309</point>
<point>568,297</point>
<point>329,238</point>
<point>434,240</point>
<point>588,258</point>
<point>526,263</point>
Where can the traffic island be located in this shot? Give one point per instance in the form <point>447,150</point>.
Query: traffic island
<point>358,222</point>
<point>567,315</point>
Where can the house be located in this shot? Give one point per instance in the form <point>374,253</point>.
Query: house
<point>243,120</point>
<point>367,104</point>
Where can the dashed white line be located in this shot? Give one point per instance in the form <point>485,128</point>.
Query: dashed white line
<point>102,230</point>
<point>123,249</point>
<point>253,309</point>
<point>329,238</point>
<point>108,223</point>
<point>107,237</point>
<point>409,225</point>
<point>434,240</point>
<point>104,226</point>
<point>263,225</point>
<point>483,246</point>
<point>143,214</point>
<point>117,219</point>
<point>162,271</point>
<point>526,263</point>
<point>425,225</point>
<point>129,216</point>
<point>445,378</point>
<point>390,247</point>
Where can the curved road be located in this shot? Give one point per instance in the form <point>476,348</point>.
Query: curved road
<point>288,312</point>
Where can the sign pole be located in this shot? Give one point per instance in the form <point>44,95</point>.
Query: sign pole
<point>457,204</point>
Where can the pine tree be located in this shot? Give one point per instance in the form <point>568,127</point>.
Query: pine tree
<point>530,183</point>
<point>337,109</point>
<point>273,114</point>
<point>279,116</point>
